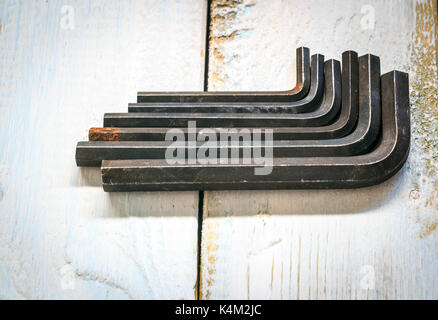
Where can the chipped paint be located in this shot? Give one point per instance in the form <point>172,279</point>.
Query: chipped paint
<point>224,28</point>
<point>435,10</point>
<point>430,229</point>
<point>209,253</point>
<point>424,109</point>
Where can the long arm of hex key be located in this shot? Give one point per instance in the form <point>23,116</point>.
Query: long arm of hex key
<point>299,92</point>
<point>366,132</point>
<point>322,116</point>
<point>340,128</point>
<point>308,104</point>
<point>288,173</point>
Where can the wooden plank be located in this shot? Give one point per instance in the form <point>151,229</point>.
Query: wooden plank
<point>61,236</point>
<point>374,243</point>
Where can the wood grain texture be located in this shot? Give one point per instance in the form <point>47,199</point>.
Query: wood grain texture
<point>61,236</point>
<point>373,243</point>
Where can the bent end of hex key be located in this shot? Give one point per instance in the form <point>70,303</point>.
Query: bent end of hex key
<point>349,111</point>
<point>287,173</point>
<point>348,117</point>
<point>276,105</point>
<point>299,92</point>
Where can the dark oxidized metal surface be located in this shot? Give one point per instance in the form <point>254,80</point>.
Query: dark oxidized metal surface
<point>309,103</point>
<point>322,116</point>
<point>374,167</point>
<point>340,128</point>
<point>360,141</point>
<point>296,94</point>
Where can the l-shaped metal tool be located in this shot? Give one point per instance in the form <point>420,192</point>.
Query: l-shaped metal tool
<point>340,128</point>
<point>298,93</point>
<point>386,159</point>
<point>309,103</point>
<point>363,137</point>
<point>322,116</point>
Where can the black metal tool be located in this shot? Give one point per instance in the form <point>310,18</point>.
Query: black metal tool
<point>363,137</point>
<point>309,103</point>
<point>343,125</point>
<point>322,116</point>
<point>369,169</point>
<point>296,94</point>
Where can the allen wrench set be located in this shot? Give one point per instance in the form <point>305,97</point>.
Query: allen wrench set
<point>341,127</point>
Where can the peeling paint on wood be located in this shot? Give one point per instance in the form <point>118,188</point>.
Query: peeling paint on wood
<point>424,105</point>
<point>224,29</point>
<point>209,251</point>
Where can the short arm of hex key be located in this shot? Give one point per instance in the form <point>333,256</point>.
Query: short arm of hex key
<point>322,116</point>
<point>288,173</point>
<point>92,153</point>
<point>308,104</point>
<point>340,128</point>
<point>297,93</point>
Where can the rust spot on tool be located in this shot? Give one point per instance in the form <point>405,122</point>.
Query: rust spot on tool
<point>104,134</point>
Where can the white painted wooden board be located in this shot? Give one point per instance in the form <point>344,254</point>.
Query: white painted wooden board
<point>373,243</point>
<point>63,64</point>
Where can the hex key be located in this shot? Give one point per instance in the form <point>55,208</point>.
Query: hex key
<point>370,169</point>
<point>322,116</point>
<point>299,92</point>
<point>308,104</point>
<point>340,128</point>
<point>364,136</point>
<point>91,153</point>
